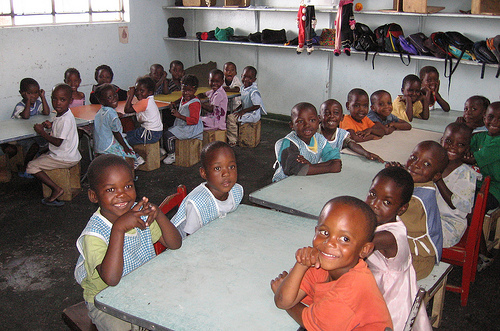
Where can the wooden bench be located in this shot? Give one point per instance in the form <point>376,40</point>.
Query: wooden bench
<point>214,135</point>
<point>187,152</point>
<point>77,318</point>
<point>249,134</point>
<point>68,179</point>
<point>151,154</point>
<point>435,286</point>
<point>491,222</point>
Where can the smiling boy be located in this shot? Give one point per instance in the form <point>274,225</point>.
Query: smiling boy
<point>331,277</point>
<point>412,103</point>
<point>215,106</point>
<point>304,151</point>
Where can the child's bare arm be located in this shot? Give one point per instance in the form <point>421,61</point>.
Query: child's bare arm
<point>170,236</point>
<point>242,112</point>
<point>425,108</point>
<point>442,102</point>
<point>207,106</point>
<point>128,104</point>
<point>445,192</point>
<point>401,125</point>
<point>231,89</point>
<point>45,105</point>
<point>378,129</point>
<point>409,107</point>
<point>331,166</point>
<point>385,242</point>
<point>118,136</point>
<point>25,114</point>
<point>111,268</point>
<point>357,148</point>
<point>39,128</point>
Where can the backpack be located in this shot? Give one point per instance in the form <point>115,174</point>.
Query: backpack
<point>176,27</point>
<point>460,46</point>
<point>418,41</point>
<point>387,37</point>
<point>484,55</point>
<point>406,46</point>
<point>437,44</point>
<point>364,38</point>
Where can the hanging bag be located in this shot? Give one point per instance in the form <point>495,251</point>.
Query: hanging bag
<point>176,27</point>
<point>418,41</point>
<point>484,56</point>
<point>387,38</point>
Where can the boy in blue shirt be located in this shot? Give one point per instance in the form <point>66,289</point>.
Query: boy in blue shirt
<point>304,151</point>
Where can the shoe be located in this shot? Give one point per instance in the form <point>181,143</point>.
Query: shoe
<point>55,203</point>
<point>138,162</point>
<point>169,159</point>
<point>162,151</point>
<point>25,175</point>
<point>484,262</point>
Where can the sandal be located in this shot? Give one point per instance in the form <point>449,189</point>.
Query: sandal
<point>55,203</point>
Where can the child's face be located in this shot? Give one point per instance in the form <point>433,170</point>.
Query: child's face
<point>384,198</point>
<point>473,111</point>
<point>176,71</point>
<point>142,91</point>
<point>341,239</point>
<point>104,77</point>
<point>188,92</point>
<point>60,101</point>
<point>331,115</point>
<point>156,73</point>
<point>456,143</point>
<point>73,81</point>
<point>492,120</point>
<point>358,106</point>
<point>229,72</point>
<point>431,81</point>
<point>412,90</point>
<point>32,93</point>
<point>109,98</point>
<point>215,81</point>
<point>248,77</point>
<point>221,173</point>
<point>382,105</point>
<point>305,123</point>
<point>115,192</point>
<point>423,164</point>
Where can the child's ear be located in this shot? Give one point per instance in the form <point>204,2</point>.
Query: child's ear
<point>371,107</point>
<point>203,173</point>
<point>92,196</point>
<point>291,125</point>
<point>403,209</point>
<point>347,105</point>
<point>366,250</point>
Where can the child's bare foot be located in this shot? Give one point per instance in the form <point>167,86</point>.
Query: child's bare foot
<point>55,194</point>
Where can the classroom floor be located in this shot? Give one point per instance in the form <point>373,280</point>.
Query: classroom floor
<point>38,253</point>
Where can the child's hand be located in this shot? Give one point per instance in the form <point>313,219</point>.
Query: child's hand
<point>42,93</point>
<point>131,92</point>
<point>469,158</point>
<point>374,157</point>
<point>363,134</point>
<point>175,112</point>
<point>127,150</point>
<point>393,164</point>
<point>302,159</point>
<point>276,282</point>
<point>47,124</point>
<point>38,128</point>
<point>238,114</point>
<point>132,218</point>
<point>407,99</point>
<point>163,77</point>
<point>388,128</point>
<point>308,257</point>
<point>460,119</point>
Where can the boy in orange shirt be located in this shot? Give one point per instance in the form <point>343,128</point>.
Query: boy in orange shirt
<point>331,277</point>
<point>357,124</point>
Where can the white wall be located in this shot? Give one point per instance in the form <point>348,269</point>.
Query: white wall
<point>44,53</point>
<point>285,78</point>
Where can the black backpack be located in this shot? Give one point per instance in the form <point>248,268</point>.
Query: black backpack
<point>485,56</point>
<point>418,40</point>
<point>176,27</point>
<point>387,37</point>
<point>364,38</point>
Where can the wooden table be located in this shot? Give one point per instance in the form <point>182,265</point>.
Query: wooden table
<point>306,195</point>
<point>398,145</point>
<point>218,280</point>
<point>438,120</point>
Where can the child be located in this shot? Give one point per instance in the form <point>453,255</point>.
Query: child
<point>73,79</point>
<point>119,236</point>
<point>187,124</point>
<point>381,111</point>
<point>331,277</point>
<point>104,74</point>
<point>423,223</point>
<point>474,110</point>
<point>360,127</point>
<point>216,197</point>
<point>177,72</point>
<point>304,151</point>
<point>412,103</point>
<point>430,87</point>
<point>216,107</point>
<point>484,148</point>
<point>457,186</point>
<point>390,263</point>
<point>63,143</point>
<point>147,113</point>
<point>108,138</point>
<point>159,75</point>
<point>30,106</point>
<point>250,109</point>
<point>232,83</point>
<point>330,116</point>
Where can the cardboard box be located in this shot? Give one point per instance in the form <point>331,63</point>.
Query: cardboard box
<point>236,3</point>
<point>198,3</point>
<point>488,7</point>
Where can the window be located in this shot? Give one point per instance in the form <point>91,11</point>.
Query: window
<point>36,12</point>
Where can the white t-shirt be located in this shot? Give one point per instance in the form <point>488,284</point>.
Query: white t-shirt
<point>64,127</point>
<point>193,219</point>
<point>148,114</point>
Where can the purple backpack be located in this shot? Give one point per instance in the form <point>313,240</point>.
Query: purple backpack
<point>406,46</point>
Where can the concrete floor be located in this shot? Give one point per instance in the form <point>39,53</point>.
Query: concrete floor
<point>38,253</point>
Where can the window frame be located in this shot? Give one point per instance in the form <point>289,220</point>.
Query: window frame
<point>123,13</point>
